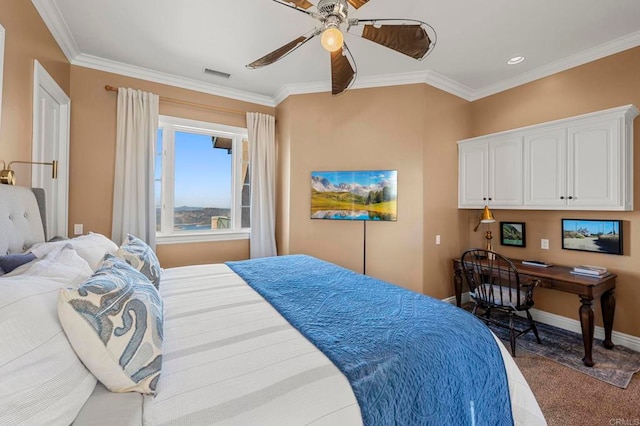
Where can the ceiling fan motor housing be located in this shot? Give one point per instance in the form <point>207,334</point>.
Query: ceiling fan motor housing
<point>333,8</point>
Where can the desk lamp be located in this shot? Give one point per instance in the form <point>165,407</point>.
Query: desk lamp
<point>486,217</point>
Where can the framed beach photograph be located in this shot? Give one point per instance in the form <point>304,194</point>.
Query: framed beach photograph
<point>513,234</point>
<point>599,236</point>
<point>354,195</point>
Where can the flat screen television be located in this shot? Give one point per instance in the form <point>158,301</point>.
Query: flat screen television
<point>354,195</point>
<point>600,236</point>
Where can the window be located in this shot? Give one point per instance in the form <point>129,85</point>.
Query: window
<point>202,189</point>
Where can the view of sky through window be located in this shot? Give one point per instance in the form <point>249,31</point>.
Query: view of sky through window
<point>202,173</point>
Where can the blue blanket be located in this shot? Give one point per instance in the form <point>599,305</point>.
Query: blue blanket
<point>411,359</point>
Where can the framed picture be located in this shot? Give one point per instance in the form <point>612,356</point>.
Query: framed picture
<point>600,236</point>
<point>513,234</point>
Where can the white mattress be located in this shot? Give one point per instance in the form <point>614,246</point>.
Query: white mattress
<point>230,358</point>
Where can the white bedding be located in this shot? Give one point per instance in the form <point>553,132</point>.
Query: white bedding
<point>230,358</point>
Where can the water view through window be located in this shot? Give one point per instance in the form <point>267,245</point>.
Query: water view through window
<point>194,181</point>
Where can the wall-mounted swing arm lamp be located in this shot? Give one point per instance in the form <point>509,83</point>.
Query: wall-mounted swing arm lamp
<point>7,176</point>
<point>486,217</point>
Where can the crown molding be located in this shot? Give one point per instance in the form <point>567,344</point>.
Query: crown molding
<point>97,63</point>
<point>431,78</point>
<point>581,58</point>
<point>53,19</point>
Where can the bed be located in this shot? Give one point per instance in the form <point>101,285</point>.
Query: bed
<point>289,340</point>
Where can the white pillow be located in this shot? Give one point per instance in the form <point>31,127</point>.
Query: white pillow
<point>114,323</point>
<point>91,247</point>
<point>42,381</point>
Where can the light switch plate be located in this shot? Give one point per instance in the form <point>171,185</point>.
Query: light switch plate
<point>77,229</point>
<point>544,244</point>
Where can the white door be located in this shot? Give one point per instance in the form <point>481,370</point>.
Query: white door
<point>545,168</point>
<point>505,172</point>
<point>594,163</point>
<point>473,165</point>
<point>51,113</point>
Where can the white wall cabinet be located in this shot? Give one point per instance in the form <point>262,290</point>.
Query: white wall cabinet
<point>579,163</point>
<point>491,172</point>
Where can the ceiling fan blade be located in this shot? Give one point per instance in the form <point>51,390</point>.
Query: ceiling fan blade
<point>343,74</point>
<point>281,52</point>
<point>300,6</point>
<point>407,38</point>
<point>357,3</point>
<point>303,4</point>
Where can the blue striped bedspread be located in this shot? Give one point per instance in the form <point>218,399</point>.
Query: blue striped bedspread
<point>411,359</point>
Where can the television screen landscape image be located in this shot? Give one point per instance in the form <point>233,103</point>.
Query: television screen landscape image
<point>354,195</point>
<point>600,236</point>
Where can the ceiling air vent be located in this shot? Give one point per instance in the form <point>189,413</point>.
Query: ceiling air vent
<point>217,73</point>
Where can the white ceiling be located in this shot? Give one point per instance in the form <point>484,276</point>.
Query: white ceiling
<point>173,41</point>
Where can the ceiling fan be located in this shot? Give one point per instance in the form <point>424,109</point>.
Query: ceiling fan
<point>407,36</point>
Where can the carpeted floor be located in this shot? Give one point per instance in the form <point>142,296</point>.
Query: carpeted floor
<point>570,398</point>
<point>571,394</point>
<point>616,366</point>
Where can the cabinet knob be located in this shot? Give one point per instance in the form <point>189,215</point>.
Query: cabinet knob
<point>484,198</point>
<point>562,197</point>
<point>570,197</point>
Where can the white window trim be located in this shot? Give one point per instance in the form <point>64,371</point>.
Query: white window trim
<point>238,134</point>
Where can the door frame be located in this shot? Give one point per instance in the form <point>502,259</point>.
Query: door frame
<point>42,81</point>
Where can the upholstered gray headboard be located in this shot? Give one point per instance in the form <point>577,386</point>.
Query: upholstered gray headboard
<point>22,218</point>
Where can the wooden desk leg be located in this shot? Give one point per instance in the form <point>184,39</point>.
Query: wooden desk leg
<point>457,286</point>
<point>586,322</point>
<point>608,304</point>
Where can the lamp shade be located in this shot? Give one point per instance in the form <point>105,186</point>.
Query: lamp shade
<point>487,216</point>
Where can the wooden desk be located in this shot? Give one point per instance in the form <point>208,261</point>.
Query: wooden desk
<point>558,277</point>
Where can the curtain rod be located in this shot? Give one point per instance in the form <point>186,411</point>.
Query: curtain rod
<point>187,103</point>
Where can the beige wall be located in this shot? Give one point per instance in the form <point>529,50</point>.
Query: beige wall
<point>26,39</point>
<point>92,154</point>
<point>383,128</point>
<point>447,120</point>
<point>606,83</point>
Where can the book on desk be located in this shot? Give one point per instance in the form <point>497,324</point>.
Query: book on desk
<point>590,271</point>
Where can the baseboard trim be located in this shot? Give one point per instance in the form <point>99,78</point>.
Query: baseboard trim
<point>631,342</point>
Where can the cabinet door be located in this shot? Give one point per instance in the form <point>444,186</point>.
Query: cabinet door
<point>505,172</point>
<point>594,164</point>
<point>545,159</point>
<point>473,164</point>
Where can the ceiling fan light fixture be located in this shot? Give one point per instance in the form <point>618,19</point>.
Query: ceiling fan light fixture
<point>332,38</point>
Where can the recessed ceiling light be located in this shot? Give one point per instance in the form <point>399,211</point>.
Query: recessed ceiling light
<point>515,60</point>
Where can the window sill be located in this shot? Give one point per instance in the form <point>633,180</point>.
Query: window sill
<point>201,237</point>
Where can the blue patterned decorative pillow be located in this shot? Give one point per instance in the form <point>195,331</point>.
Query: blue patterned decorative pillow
<point>138,254</point>
<point>114,323</point>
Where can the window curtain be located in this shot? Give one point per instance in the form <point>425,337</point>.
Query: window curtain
<point>262,160</point>
<point>133,197</point>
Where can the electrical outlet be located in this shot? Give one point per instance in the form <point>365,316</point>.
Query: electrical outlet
<point>77,229</point>
<point>544,244</point>
<point>437,240</point>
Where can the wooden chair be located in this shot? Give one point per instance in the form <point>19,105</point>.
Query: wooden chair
<point>494,283</point>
